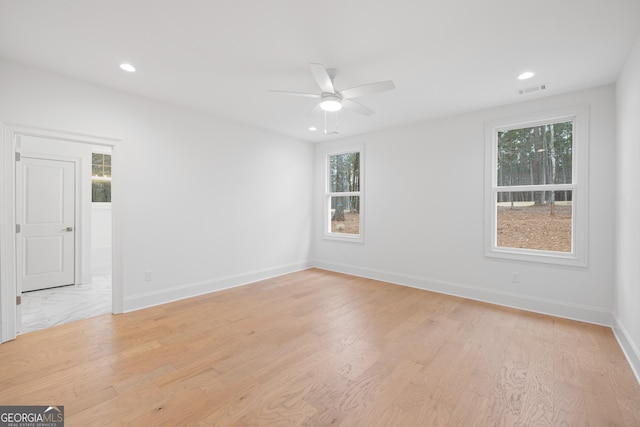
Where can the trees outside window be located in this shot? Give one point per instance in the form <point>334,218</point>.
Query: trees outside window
<point>534,184</point>
<point>100,178</point>
<point>344,198</point>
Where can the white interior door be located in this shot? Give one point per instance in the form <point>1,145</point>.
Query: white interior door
<point>46,217</point>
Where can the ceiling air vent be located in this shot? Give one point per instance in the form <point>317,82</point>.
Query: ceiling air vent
<point>533,89</point>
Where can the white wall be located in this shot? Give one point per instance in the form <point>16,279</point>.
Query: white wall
<point>627,217</point>
<point>424,214</point>
<point>101,238</point>
<point>207,203</point>
<point>204,203</point>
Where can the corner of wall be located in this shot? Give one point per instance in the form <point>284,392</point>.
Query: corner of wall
<point>629,349</point>
<point>626,292</point>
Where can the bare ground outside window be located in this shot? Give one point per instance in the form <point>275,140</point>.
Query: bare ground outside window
<point>535,227</point>
<point>526,227</point>
<point>350,225</point>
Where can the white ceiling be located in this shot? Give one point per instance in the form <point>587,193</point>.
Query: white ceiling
<point>221,56</point>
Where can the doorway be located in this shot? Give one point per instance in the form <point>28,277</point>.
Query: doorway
<point>24,254</point>
<point>45,192</point>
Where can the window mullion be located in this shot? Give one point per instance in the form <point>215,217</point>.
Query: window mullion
<point>344,193</point>
<point>542,187</point>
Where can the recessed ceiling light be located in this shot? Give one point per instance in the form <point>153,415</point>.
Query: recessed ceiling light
<point>128,67</point>
<point>312,128</point>
<point>526,75</point>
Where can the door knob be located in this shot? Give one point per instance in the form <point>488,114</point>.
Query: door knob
<point>68,229</point>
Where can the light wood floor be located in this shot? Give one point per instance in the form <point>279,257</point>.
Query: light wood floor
<point>317,348</point>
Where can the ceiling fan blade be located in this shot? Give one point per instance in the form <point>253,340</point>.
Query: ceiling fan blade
<point>315,109</point>
<point>358,108</point>
<point>368,89</point>
<point>307,95</point>
<point>322,78</point>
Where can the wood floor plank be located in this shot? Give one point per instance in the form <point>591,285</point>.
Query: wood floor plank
<point>231,401</point>
<point>416,399</point>
<point>183,405</point>
<point>523,392</point>
<point>318,348</point>
<point>473,410</point>
<point>629,410</point>
<point>569,405</point>
<point>393,416</point>
<point>380,401</point>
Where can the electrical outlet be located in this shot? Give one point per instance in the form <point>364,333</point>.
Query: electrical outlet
<point>515,277</point>
<point>148,276</point>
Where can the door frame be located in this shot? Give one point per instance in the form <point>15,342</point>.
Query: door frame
<point>8,276</point>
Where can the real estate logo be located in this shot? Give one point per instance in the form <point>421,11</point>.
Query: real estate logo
<point>31,416</point>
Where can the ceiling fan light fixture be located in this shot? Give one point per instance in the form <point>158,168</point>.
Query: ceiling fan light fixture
<point>331,103</point>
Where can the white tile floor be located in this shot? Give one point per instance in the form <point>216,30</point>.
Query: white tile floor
<point>50,307</point>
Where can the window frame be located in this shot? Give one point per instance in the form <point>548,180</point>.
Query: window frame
<point>326,228</point>
<point>578,257</point>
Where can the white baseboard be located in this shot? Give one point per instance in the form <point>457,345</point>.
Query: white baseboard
<point>163,296</point>
<point>562,309</point>
<point>629,348</point>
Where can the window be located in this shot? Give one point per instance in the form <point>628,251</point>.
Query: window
<point>536,207</point>
<point>343,207</point>
<point>100,178</point>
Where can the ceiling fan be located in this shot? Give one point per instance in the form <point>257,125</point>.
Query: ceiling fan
<point>332,99</point>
